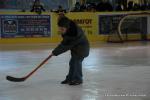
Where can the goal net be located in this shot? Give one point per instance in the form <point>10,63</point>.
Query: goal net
<point>130,27</point>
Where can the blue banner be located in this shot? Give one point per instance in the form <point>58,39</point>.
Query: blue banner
<point>25,26</point>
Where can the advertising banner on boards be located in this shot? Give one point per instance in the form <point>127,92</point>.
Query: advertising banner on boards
<point>25,26</point>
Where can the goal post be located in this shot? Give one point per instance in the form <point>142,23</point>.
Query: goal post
<point>134,25</point>
<point>130,27</point>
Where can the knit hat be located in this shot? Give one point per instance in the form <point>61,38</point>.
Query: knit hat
<point>64,22</point>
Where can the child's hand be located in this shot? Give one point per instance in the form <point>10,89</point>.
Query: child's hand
<point>52,54</point>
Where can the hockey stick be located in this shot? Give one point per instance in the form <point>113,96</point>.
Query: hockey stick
<point>13,79</point>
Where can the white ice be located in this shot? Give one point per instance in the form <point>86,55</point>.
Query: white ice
<point>111,72</point>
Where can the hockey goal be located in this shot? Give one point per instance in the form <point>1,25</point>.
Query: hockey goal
<point>133,26</point>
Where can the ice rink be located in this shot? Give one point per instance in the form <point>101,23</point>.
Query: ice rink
<point>111,72</point>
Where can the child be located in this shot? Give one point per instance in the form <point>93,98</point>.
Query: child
<point>74,40</point>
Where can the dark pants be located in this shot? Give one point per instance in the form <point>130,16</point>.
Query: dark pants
<point>75,70</point>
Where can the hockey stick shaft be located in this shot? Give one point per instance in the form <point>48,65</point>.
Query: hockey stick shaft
<point>13,79</point>
<point>42,63</point>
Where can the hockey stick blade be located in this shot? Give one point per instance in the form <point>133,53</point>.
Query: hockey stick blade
<point>13,79</point>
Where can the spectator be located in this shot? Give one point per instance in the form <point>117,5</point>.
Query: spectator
<point>136,7</point>
<point>148,6</point>
<point>104,6</point>
<point>37,7</point>
<point>83,7</point>
<point>119,7</point>
<point>108,6</point>
<point>143,7</point>
<point>100,6</point>
<point>130,6</point>
<point>60,9</point>
<point>2,4</point>
<point>91,7</point>
<point>77,7</point>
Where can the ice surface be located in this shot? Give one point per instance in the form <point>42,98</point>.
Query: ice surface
<point>111,72</point>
